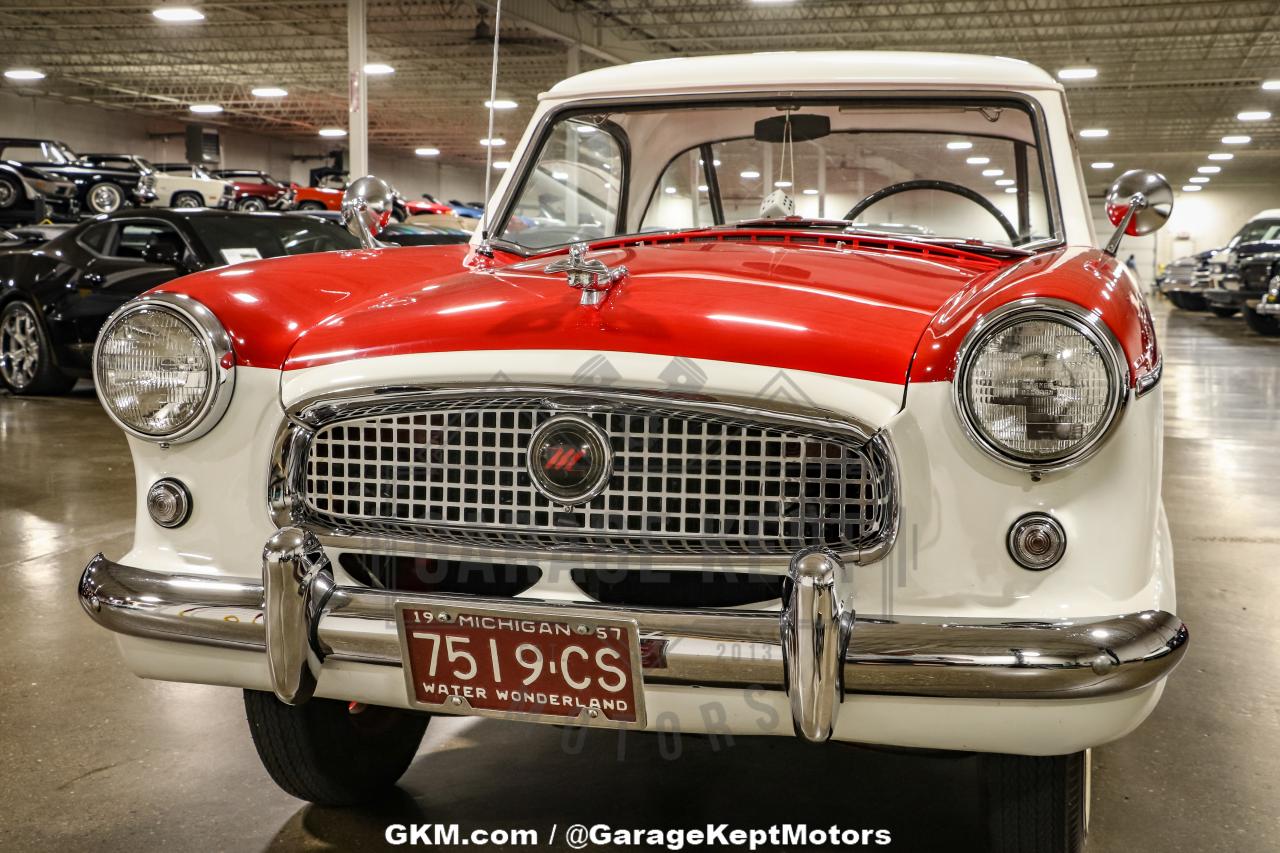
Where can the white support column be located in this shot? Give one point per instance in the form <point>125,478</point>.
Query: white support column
<point>358,102</point>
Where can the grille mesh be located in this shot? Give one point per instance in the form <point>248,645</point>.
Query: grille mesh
<point>682,482</point>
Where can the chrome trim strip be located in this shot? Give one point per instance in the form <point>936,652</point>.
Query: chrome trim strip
<point>908,656</point>
<point>218,347</point>
<point>1149,380</point>
<point>1037,307</point>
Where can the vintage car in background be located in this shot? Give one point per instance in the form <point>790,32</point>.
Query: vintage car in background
<point>28,194</point>
<point>54,298</point>
<point>99,189</point>
<point>426,204</point>
<point>316,198</point>
<point>255,190</point>
<point>674,445</point>
<point>402,233</point>
<point>1243,271</point>
<point>176,184</point>
<point>467,210</point>
<point>1185,280</point>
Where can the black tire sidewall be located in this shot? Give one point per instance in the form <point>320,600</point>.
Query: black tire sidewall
<point>17,192</point>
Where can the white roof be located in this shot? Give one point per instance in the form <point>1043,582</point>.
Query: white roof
<point>834,69</point>
<point>1273,213</point>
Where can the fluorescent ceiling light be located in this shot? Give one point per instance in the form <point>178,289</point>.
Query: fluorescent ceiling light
<point>750,174</point>
<point>1192,188</point>
<point>1011,189</point>
<point>269,92</point>
<point>1103,164</point>
<point>495,142</point>
<point>1253,115</point>
<point>1005,182</point>
<point>378,68</point>
<point>177,14</point>
<point>782,185</point>
<point>977,161</point>
<point>24,74</point>
<point>1077,73</point>
<point>502,165</point>
<point>702,188</point>
<point>1199,180</point>
<point>1209,170</point>
<point>427,152</point>
<point>1221,155</point>
<point>1271,85</point>
<point>332,131</point>
<point>669,190</point>
<point>585,128</point>
<point>992,173</point>
<point>1094,132</point>
<point>810,192</point>
<point>1236,140</point>
<point>959,145</point>
<point>206,108</point>
<point>501,104</point>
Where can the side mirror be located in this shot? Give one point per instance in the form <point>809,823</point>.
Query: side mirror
<point>366,209</point>
<point>1138,203</point>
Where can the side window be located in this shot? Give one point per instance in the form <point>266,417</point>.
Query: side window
<point>97,237</point>
<point>148,241</point>
<point>572,192</point>
<point>681,198</point>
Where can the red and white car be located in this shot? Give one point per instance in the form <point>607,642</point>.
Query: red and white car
<point>787,397</point>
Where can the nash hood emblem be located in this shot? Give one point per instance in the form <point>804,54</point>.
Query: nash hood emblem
<point>590,275</point>
<point>569,460</point>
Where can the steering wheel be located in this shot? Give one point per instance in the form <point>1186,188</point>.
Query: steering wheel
<point>943,186</point>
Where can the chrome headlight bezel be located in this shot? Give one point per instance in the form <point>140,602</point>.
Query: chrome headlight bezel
<point>1078,319</point>
<point>218,350</point>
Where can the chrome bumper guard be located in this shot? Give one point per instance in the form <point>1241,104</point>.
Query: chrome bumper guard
<point>816,650</point>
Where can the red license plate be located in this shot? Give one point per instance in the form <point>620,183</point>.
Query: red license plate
<point>545,668</point>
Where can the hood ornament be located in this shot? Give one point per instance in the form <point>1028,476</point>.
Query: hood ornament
<point>589,275</point>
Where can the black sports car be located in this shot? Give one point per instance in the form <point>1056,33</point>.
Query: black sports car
<point>54,299</point>
<point>401,233</point>
<point>28,194</point>
<point>29,236</point>
<point>98,189</point>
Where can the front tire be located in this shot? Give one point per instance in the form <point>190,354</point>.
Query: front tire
<point>1263,324</point>
<point>186,199</point>
<point>26,356</point>
<point>1224,312</point>
<point>1034,804</point>
<point>104,198</point>
<point>10,192</point>
<point>323,753</point>
<point>253,205</point>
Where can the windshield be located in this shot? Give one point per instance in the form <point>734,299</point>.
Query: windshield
<point>238,238</point>
<point>1258,230</point>
<point>950,169</point>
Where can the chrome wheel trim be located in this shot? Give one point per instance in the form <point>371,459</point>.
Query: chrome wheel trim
<point>8,193</point>
<point>255,205</point>
<point>19,347</point>
<point>186,200</point>
<point>105,198</point>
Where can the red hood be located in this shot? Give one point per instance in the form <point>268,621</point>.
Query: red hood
<point>856,312</point>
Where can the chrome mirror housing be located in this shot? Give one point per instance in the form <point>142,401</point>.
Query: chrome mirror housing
<point>366,209</point>
<point>1138,203</point>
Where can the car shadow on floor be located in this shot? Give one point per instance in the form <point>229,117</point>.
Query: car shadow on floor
<point>507,775</point>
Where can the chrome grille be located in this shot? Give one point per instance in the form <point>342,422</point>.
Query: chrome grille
<point>683,482</point>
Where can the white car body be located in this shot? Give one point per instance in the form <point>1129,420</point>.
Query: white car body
<point>949,564</point>
<point>213,192</point>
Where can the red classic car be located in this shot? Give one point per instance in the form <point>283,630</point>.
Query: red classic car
<point>426,204</point>
<point>316,198</point>
<point>256,190</point>
<point>774,398</point>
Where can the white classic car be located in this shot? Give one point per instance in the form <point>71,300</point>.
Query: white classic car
<point>677,444</point>
<point>188,185</point>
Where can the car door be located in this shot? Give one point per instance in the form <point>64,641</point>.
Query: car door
<point>118,270</point>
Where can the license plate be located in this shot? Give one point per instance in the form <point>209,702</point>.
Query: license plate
<point>542,667</point>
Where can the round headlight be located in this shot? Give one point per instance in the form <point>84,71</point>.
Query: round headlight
<point>163,367</point>
<point>1040,383</point>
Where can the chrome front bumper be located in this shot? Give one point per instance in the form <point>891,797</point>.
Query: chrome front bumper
<point>815,650</point>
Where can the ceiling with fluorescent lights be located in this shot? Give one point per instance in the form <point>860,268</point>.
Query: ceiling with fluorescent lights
<point>1172,76</point>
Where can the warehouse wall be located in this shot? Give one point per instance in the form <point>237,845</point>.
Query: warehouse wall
<point>90,128</point>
